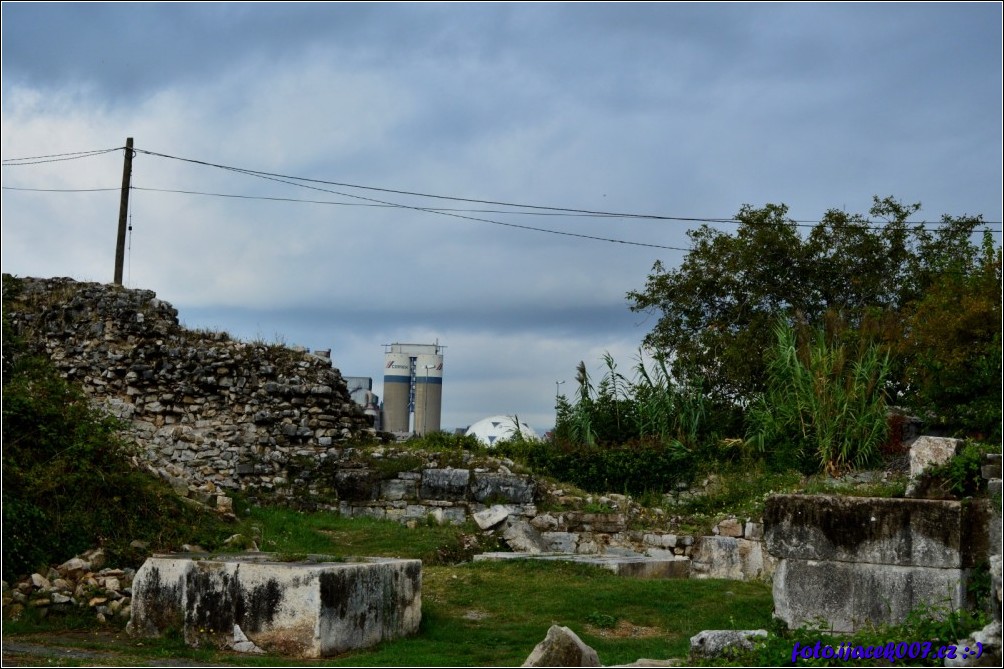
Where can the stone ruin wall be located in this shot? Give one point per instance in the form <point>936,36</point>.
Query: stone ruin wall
<point>211,414</point>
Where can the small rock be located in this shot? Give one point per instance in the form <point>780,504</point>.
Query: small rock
<point>96,558</point>
<point>74,567</point>
<point>491,516</point>
<point>242,644</point>
<point>711,644</point>
<point>40,581</point>
<point>730,527</point>
<point>562,648</point>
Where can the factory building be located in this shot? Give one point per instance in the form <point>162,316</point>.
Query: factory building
<point>412,388</point>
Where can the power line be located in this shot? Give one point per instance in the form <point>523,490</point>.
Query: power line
<point>585,212</point>
<point>55,157</point>
<point>798,223</point>
<point>262,174</point>
<point>538,210</point>
<point>59,190</point>
<point>378,205</point>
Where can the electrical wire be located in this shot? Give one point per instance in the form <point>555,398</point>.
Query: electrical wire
<point>55,157</point>
<point>800,224</point>
<point>61,190</point>
<point>268,198</point>
<point>585,212</point>
<point>519,209</point>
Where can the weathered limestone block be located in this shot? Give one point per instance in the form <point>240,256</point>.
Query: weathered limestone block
<point>577,521</point>
<point>398,489</point>
<point>852,561</point>
<point>491,516</point>
<point>521,536</point>
<point>927,451</point>
<point>849,596</point>
<point>305,609</point>
<point>731,558</point>
<point>561,542</point>
<point>445,484</point>
<point>562,648</point>
<point>906,532</point>
<point>730,527</point>
<point>505,488</point>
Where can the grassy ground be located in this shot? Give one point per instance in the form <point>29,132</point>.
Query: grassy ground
<point>473,614</point>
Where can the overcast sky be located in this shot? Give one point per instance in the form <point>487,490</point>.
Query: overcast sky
<point>683,110</point>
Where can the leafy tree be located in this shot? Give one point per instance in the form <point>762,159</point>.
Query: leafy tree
<point>717,309</point>
<point>951,348</point>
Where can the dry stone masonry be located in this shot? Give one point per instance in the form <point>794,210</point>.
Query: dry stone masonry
<point>211,414</point>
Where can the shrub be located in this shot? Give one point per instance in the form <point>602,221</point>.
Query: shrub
<point>635,467</point>
<point>68,484</point>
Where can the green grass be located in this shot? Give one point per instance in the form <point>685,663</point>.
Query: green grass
<point>473,613</point>
<point>486,613</point>
<point>287,531</point>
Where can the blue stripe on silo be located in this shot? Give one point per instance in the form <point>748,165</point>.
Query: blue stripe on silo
<point>396,379</point>
<point>432,380</point>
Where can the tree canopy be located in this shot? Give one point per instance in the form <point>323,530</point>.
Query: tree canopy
<point>880,277</point>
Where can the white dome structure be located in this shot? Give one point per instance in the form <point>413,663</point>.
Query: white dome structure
<point>494,429</point>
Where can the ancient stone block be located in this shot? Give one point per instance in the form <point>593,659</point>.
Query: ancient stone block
<point>503,488</point>
<point>927,451</point>
<point>446,484</point>
<point>560,542</point>
<point>914,532</point>
<point>311,608</point>
<point>521,536</point>
<point>849,595</point>
<point>731,558</point>
<point>397,489</point>
<point>854,561</point>
<point>491,516</point>
<point>730,527</point>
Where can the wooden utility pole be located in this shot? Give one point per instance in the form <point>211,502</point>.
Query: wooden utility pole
<point>123,212</point>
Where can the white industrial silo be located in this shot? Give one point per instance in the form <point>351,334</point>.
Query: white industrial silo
<point>397,384</point>
<point>413,383</point>
<point>428,392</point>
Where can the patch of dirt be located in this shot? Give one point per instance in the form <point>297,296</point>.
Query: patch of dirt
<point>626,630</point>
<point>91,648</point>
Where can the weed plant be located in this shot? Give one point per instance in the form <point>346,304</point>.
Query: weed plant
<point>821,407</point>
